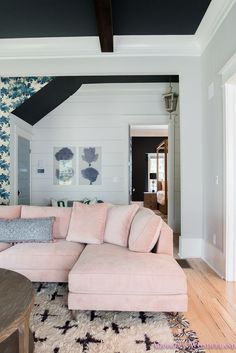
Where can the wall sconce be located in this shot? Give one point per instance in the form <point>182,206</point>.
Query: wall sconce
<point>171,100</point>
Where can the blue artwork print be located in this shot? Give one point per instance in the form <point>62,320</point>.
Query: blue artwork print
<point>64,166</point>
<point>90,155</point>
<point>91,174</point>
<point>90,165</point>
<point>64,154</point>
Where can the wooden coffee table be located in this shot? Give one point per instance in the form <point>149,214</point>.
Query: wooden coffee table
<point>16,302</point>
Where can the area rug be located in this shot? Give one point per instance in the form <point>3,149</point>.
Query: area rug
<point>55,331</point>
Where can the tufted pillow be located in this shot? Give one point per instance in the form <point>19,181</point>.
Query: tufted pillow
<point>22,230</point>
<point>145,230</point>
<point>118,223</point>
<point>87,223</point>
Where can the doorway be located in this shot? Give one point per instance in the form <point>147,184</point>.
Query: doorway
<point>144,165</point>
<point>23,167</point>
<point>155,172</point>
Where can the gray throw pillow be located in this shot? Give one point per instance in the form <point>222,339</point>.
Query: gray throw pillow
<point>27,230</point>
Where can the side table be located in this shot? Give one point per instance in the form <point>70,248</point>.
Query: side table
<point>150,200</point>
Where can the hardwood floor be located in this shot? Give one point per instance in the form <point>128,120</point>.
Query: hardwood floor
<point>212,306</point>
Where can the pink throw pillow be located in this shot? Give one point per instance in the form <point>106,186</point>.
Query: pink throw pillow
<point>119,219</point>
<point>87,223</point>
<point>145,230</point>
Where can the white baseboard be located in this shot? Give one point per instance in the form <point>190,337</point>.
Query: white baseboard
<point>214,258</point>
<point>190,247</point>
<point>200,248</point>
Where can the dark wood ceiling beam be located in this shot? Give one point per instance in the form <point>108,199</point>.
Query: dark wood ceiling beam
<point>103,12</point>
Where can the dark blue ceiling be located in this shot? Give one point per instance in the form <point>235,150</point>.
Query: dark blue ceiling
<point>60,18</point>
<point>61,88</point>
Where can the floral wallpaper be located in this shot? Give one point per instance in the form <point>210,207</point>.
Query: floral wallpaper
<point>13,92</point>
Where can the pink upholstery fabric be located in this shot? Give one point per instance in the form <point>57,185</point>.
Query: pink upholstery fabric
<point>45,275</point>
<point>165,241</point>
<point>145,230</point>
<point>59,255</point>
<point>118,224</point>
<point>167,303</point>
<point>111,269</point>
<point>87,223</point>
<point>10,212</point>
<point>4,246</point>
<point>62,217</point>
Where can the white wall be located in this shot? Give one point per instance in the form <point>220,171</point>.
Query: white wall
<point>18,127</point>
<point>96,115</point>
<point>189,70</point>
<point>218,52</point>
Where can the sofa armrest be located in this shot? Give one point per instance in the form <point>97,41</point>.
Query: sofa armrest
<point>165,241</point>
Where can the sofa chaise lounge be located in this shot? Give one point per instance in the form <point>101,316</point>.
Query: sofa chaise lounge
<point>102,276</point>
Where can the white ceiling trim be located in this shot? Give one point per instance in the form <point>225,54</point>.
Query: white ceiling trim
<point>76,47</point>
<point>214,16</point>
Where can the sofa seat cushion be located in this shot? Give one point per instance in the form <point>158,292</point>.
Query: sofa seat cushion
<point>4,246</point>
<point>58,255</point>
<point>111,269</point>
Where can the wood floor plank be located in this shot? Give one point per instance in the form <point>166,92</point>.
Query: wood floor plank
<point>212,306</point>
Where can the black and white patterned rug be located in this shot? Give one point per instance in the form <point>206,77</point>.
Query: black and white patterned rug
<point>55,331</point>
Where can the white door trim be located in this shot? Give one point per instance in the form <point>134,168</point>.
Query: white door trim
<point>17,131</point>
<point>229,173</point>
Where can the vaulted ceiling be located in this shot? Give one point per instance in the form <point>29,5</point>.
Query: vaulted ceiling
<point>86,19</point>
<point>103,18</point>
<point>61,88</point>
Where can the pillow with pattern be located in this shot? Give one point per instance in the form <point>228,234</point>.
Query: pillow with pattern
<point>26,230</point>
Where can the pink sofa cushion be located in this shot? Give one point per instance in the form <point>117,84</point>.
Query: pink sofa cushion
<point>4,246</point>
<point>111,269</point>
<point>10,212</point>
<point>118,223</point>
<point>87,223</point>
<point>165,243</point>
<point>59,255</point>
<point>62,217</point>
<point>145,230</point>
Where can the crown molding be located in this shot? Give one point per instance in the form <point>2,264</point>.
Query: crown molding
<point>214,16</point>
<point>74,47</point>
<point>82,47</point>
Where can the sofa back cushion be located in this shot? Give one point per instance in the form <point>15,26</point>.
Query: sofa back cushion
<point>87,223</point>
<point>118,223</point>
<point>145,230</point>
<point>62,217</point>
<point>38,230</point>
<point>10,212</point>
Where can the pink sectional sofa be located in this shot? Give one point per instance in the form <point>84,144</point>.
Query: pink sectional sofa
<point>100,276</point>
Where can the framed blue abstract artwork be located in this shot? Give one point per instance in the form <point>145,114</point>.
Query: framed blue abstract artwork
<point>90,165</point>
<point>64,166</point>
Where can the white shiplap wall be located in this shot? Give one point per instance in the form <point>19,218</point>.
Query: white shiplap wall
<point>96,115</point>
